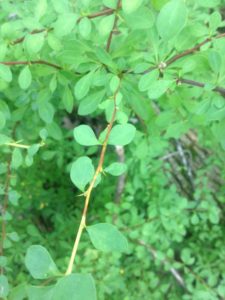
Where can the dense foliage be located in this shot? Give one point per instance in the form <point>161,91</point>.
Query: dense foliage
<point>112,121</point>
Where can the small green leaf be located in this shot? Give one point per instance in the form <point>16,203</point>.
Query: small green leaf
<point>130,6</point>
<point>68,100</point>
<point>116,169</point>
<point>114,83</point>
<point>106,25</point>
<point>2,120</point>
<point>215,61</point>
<point>122,134</point>
<point>158,88</point>
<point>82,172</point>
<point>90,103</point>
<point>3,261</point>
<point>82,86</point>
<point>75,287</point>
<point>5,73</point>
<point>39,262</point>
<point>32,150</point>
<point>17,158</point>
<point>13,236</point>
<point>46,111</point>
<point>33,43</point>
<point>85,136</point>
<point>65,24</point>
<point>107,237</point>
<point>171,19</point>
<point>85,27</point>
<point>40,8</point>
<point>25,78</point>
<point>147,79</point>
<point>4,286</point>
<point>40,292</point>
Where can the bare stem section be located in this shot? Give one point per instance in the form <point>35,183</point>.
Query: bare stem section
<point>90,188</point>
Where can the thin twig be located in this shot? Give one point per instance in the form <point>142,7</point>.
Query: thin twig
<point>218,89</point>
<point>104,12</point>
<point>4,207</point>
<point>32,62</point>
<point>90,188</point>
<point>36,31</point>
<point>183,54</point>
<point>193,50</point>
<point>109,41</point>
<point>172,270</point>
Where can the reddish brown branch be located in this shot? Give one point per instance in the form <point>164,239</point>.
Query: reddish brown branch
<point>32,62</point>
<point>193,50</point>
<point>109,41</point>
<point>185,53</point>
<point>218,89</point>
<point>4,207</point>
<point>36,31</point>
<point>104,12</point>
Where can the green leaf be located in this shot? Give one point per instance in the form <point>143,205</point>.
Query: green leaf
<point>5,73</point>
<point>82,172</point>
<point>2,120</point>
<point>4,286</point>
<point>75,287</point>
<point>40,8</point>
<point>68,100</point>
<point>46,111</point>
<point>110,3</point>
<point>61,6</point>
<point>33,43</point>
<point>17,158</point>
<point>40,292</point>
<point>82,86</point>
<point>39,263</point>
<point>3,261</point>
<point>89,104</point>
<point>65,24</point>
<point>171,19</point>
<point>106,25</point>
<point>215,61</point>
<point>85,136</point>
<point>116,169</point>
<point>85,27</point>
<point>114,83</point>
<point>25,78</point>
<point>122,134</point>
<point>147,79</point>
<point>158,88</point>
<point>143,18</point>
<point>158,4</point>
<point>107,237</point>
<point>129,6</point>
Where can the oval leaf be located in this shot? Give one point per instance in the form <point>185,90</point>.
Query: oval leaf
<point>85,136</point>
<point>116,169</point>
<point>5,73</point>
<point>75,287</point>
<point>130,6</point>
<point>4,286</point>
<point>82,86</point>
<point>171,19</point>
<point>25,78</point>
<point>158,88</point>
<point>107,237</point>
<point>82,172</point>
<point>39,262</point>
<point>122,134</point>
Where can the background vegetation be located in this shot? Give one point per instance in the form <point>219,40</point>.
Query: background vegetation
<point>62,63</point>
